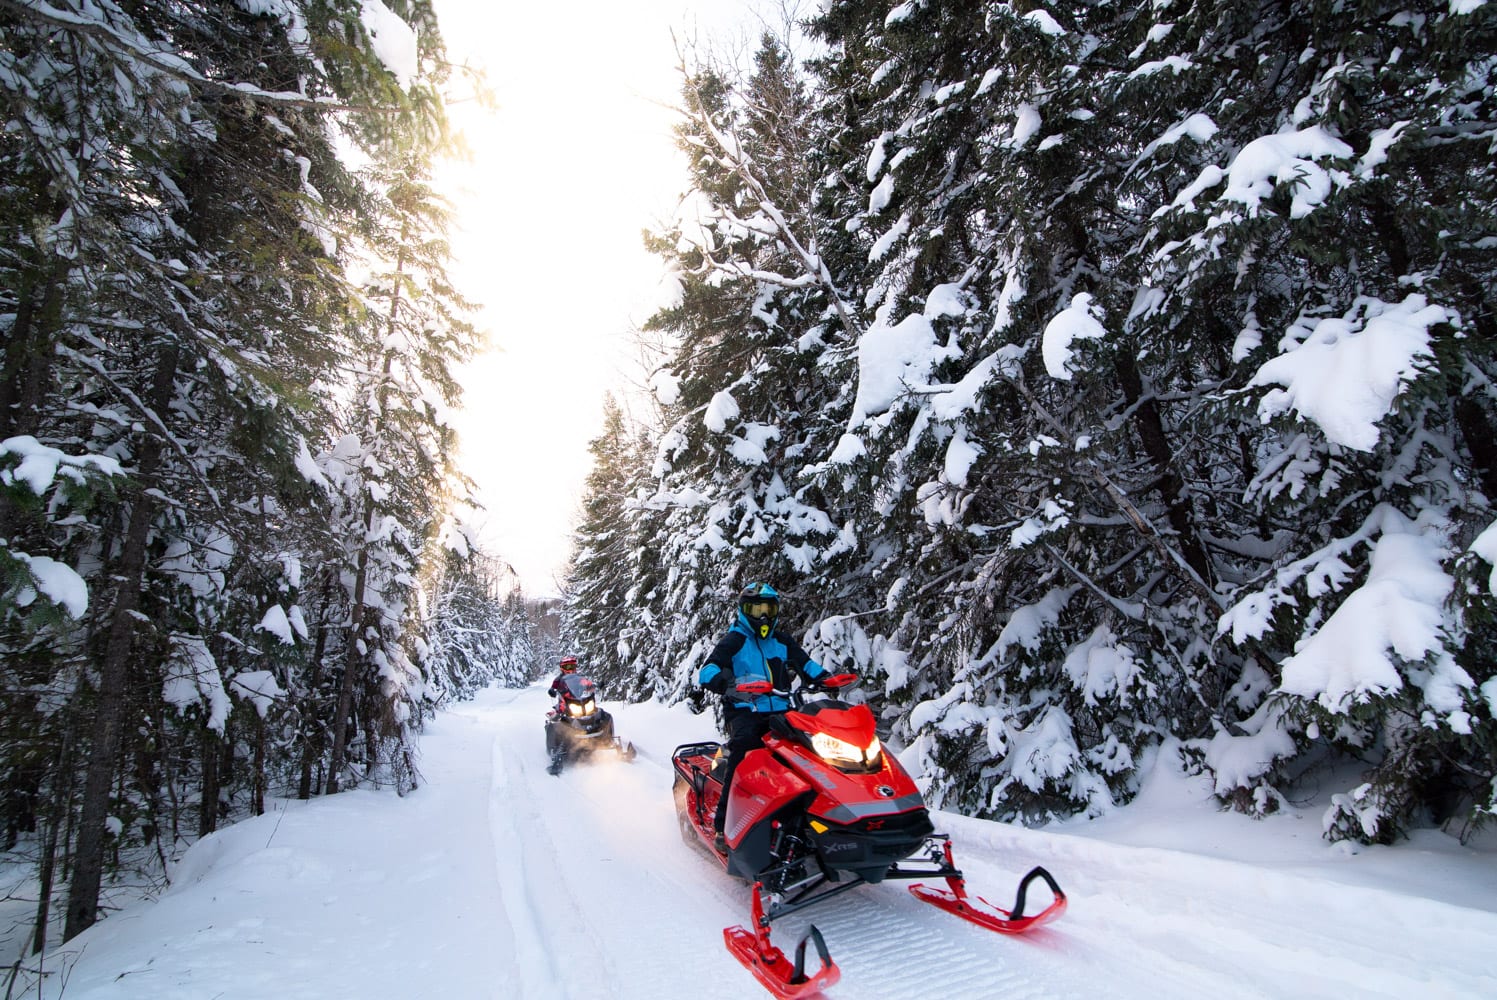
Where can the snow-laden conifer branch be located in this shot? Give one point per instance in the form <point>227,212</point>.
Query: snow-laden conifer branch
<point>134,46</point>
<point>734,157</point>
<point>147,414</point>
<point>1129,509</point>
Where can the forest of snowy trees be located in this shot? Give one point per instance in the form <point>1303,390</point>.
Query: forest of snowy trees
<point>231,557</point>
<point>1087,377</point>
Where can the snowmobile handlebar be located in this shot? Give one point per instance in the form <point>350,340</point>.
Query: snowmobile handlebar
<point>749,690</point>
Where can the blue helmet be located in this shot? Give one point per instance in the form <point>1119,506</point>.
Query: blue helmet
<point>758,607</point>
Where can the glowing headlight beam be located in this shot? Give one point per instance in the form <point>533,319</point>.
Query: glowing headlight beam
<point>835,751</point>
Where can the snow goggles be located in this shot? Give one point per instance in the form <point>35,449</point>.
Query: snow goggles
<point>761,609</point>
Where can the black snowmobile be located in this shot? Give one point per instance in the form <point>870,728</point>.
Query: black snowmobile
<point>578,728</point>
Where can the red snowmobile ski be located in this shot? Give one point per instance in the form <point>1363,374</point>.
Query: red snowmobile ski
<point>819,810</point>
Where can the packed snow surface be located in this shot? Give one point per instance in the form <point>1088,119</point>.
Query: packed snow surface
<point>497,880</point>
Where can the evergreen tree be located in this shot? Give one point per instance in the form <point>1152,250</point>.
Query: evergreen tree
<point>1048,303</point>
<point>600,611</point>
<point>474,634</point>
<point>181,230</point>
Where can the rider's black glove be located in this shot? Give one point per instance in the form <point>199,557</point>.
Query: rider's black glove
<point>697,699</point>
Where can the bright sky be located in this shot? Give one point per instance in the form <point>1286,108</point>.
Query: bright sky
<point>577,161</point>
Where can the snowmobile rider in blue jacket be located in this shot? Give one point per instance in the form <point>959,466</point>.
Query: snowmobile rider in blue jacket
<point>753,650</point>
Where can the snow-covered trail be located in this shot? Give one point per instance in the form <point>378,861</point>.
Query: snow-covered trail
<point>602,857</point>
<point>498,880</point>
<point>358,895</point>
<point>595,856</point>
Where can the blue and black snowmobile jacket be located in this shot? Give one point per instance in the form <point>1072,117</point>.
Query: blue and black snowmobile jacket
<point>741,657</point>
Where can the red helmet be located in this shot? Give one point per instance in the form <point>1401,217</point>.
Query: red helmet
<point>568,663</point>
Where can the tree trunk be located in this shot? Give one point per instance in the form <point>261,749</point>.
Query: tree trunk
<point>27,369</point>
<point>257,792</point>
<point>59,805</point>
<point>88,866</point>
<point>26,365</point>
<point>350,665</point>
<point>311,720</point>
<point>170,782</point>
<point>1474,420</point>
<point>351,659</point>
<point>357,612</point>
<point>1150,427</point>
<point>208,797</point>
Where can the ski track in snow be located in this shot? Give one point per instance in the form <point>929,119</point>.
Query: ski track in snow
<point>498,881</point>
<point>605,876</point>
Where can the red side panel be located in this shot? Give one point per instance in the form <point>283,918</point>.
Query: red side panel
<point>842,797</point>
<point>760,786</point>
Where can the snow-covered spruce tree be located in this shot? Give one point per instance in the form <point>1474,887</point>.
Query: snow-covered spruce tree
<point>1297,232</point>
<point>179,296</point>
<point>605,565</point>
<point>44,603</point>
<point>757,315</point>
<point>1100,465</point>
<point>71,101</point>
<point>1347,215</point>
<point>120,289</point>
<point>976,185</point>
<point>471,636</point>
<point>520,648</point>
<point>394,465</point>
<point>547,645</point>
<point>1016,166</point>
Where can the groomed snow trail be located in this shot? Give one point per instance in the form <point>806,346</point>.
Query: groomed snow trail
<point>593,858</point>
<point>603,863</point>
<point>498,881</point>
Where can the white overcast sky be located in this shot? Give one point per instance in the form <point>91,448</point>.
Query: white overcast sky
<point>575,163</point>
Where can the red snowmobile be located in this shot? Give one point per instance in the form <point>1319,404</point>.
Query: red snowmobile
<point>819,810</point>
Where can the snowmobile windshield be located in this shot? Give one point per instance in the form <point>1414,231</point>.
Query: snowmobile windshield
<point>579,696</point>
<point>840,734</point>
<point>578,688</point>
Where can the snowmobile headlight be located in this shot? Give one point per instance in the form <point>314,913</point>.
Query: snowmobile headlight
<point>580,708</point>
<point>843,753</point>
